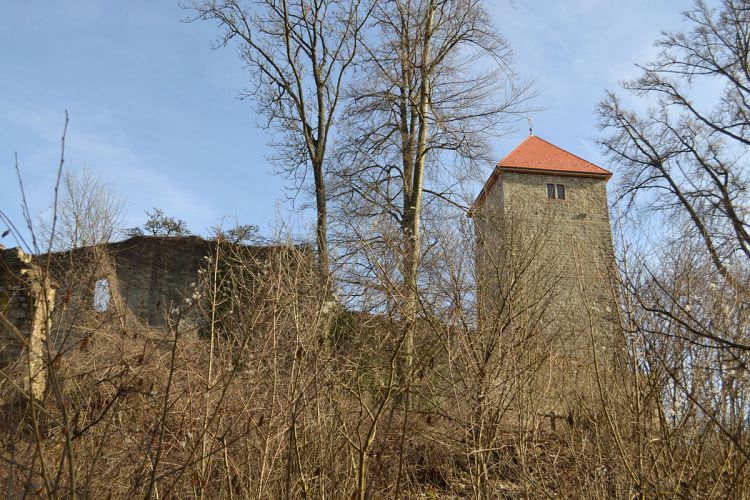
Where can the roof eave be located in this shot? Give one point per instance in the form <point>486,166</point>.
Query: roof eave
<point>604,174</point>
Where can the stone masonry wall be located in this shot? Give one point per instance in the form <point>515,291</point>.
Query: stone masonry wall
<point>153,274</point>
<point>565,246</point>
<point>578,231</point>
<point>147,278</point>
<point>27,298</point>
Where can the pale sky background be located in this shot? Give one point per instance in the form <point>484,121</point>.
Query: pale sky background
<point>154,110</point>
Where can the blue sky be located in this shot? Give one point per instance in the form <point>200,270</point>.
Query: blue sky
<point>155,111</point>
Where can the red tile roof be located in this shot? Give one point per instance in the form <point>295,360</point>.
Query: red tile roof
<point>537,156</point>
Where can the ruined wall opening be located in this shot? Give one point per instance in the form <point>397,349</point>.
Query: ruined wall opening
<point>102,295</point>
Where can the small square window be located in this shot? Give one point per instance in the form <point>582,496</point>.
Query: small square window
<point>560,191</point>
<point>551,191</point>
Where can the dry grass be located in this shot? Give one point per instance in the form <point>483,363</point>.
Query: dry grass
<point>291,402</point>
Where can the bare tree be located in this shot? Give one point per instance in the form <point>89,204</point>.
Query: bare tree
<point>299,53</point>
<point>684,159</point>
<point>437,84</point>
<point>160,224</point>
<point>685,162</point>
<point>89,212</point>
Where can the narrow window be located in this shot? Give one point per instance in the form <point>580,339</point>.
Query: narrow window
<point>551,191</point>
<point>560,192</point>
<point>101,295</point>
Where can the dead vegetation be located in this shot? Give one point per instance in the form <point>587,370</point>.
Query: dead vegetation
<point>274,395</point>
<point>411,383</point>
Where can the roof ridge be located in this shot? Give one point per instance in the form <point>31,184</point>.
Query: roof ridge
<point>517,146</point>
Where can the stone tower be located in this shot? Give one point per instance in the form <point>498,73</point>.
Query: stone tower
<point>544,266</point>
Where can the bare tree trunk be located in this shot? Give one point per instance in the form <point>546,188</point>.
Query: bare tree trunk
<point>411,231</point>
<point>321,222</point>
<point>300,53</point>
